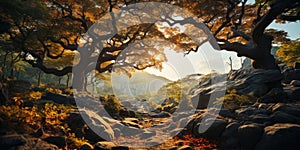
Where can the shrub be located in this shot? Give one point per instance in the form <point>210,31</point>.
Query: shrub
<point>232,100</point>
<point>26,118</point>
<point>112,104</point>
<point>53,90</point>
<point>35,95</point>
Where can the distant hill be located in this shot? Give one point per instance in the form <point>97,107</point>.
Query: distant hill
<point>139,83</point>
<point>120,84</point>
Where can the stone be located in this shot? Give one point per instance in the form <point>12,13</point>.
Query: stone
<point>86,146</point>
<point>231,143</point>
<point>59,141</point>
<point>282,117</point>
<point>132,124</point>
<point>212,128</point>
<point>246,112</point>
<point>295,83</point>
<point>59,98</point>
<point>280,136</point>
<point>161,115</point>
<point>36,144</point>
<point>291,75</point>
<point>135,120</point>
<point>249,135</point>
<point>131,131</point>
<point>231,130</point>
<point>103,145</point>
<point>296,65</point>
<point>8,141</point>
<point>293,93</point>
<point>185,147</point>
<point>260,118</point>
<point>226,113</point>
<point>91,136</point>
<point>273,96</point>
<point>287,109</point>
<point>253,81</point>
<point>147,134</point>
<point>120,148</point>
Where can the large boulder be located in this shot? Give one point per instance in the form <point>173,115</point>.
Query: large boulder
<point>257,82</point>
<point>293,93</point>
<point>290,75</point>
<point>59,98</point>
<point>8,141</point>
<point>249,135</point>
<point>280,136</point>
<point>98,128</point>
<point>297,65</point>
<point>212,128</point>
<point>208,90</point>
<point>59,141</point>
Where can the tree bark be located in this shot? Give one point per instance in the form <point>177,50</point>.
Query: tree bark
<point>39,78</point>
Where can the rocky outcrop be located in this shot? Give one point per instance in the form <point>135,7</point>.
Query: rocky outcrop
<point>256,82</point>
<point>17,141</point>
<point>280,136</point>
<point>256,126</point>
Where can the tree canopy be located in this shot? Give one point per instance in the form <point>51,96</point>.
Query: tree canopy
<point>49,34</point>
<point>289,53</point>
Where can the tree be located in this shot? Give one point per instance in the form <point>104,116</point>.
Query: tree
<point>289,53</point>
<point>55,34</point>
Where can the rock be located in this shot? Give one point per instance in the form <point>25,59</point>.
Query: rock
<point>287,109</point>
<point>296,65</point>
<point>293,93</point>
<point>59,141</point>
<point>249,135</point>
<point>75,121</point>
<point>280,136</point>
<point>179,143</point>
<point>120,148</point>
<point>226,113</point>
<point>147,134</point>
<point>295,83</point>
<point>93,137</point>
<point>246,112</point>
<point>8,141</point>
<point>214,128</point>
<point>59,98</point>
<point>161,115</point>
<point>229,136</point>
<point>132,124</point>
<point>231,143</point>
<point>231,130</point>
<point>185,147</point>
<point>282,117</point>
<point>208,89</point>
<point>103,145</point>
<point>134,120</point>
<point>19,88</point>
<point>35,144</point>
<point>86,146</point>
<point>131,131</point>
<point>117,132</point>
<point>291,75</point>
<point>260,118</point>
<point>275,95</point>
<point>253,81</point>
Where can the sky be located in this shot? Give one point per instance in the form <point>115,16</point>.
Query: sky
<point>207,59</point>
